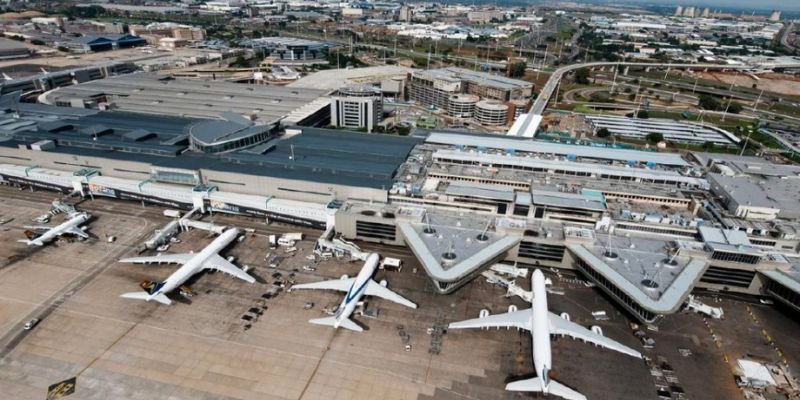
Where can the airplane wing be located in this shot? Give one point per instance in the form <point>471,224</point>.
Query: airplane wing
<point>560,326</point>
<point>220,264</point>
<point>375,289</point>
<point>77,232</point>
<point>518,319</point>
<point>38,227</point>
<point>178,258</point>
<point>342,285</point>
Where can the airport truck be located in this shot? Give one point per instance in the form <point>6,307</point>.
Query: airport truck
<point>392,264</point>
<point>172,213</point>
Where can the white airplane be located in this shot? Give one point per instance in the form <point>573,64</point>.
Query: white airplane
<point>6,77</point>
<point>68,227</point>
<point>355,288</point>
<point>192,264</point>
<point>542,323</point>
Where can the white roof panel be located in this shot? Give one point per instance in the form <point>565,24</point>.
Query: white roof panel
<point>533,146</point>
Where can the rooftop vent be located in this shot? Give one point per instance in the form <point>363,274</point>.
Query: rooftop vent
<point>650,284</point>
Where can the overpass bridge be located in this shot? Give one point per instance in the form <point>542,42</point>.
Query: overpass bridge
<point>527,124</point>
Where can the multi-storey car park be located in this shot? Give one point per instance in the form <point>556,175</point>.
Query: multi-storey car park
<point>678,132</point>
<point>646,227</point>
<point>164,95</point>
<point>439,88</point>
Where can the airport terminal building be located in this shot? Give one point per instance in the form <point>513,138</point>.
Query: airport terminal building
<point>645,227</point>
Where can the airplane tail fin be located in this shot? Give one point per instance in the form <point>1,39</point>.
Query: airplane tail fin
<point>535,385</point>
<point>332,321</point>
<point>161,297</point>
<point>151,287</point>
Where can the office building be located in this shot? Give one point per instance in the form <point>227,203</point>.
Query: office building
<point>357,107</point>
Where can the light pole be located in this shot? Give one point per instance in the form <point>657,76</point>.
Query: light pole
<point>746,140</point>
<point>755,106</point>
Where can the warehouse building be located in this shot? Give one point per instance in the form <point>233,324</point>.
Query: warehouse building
<point>102,43</point>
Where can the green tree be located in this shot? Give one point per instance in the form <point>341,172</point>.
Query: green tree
<point>37,42</point>
<point>735,107</point>
<point>655,137</point>
<point>709,102</point>
<point>240,62</point>
<point>643,114</point>
<point>603,133</point>
<point>582,76</point>
<point>517,69</point>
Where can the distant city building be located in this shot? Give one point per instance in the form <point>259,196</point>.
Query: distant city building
<point>357,107</point>
<point>484,16</point>
<point>775,16</point>
<point>221,6</point>
<point>284,50</point>
<point>171,43</point>
<point>169,30</point>
<point>678,11</point>
<point>352,12</point>
<point>405,14</point>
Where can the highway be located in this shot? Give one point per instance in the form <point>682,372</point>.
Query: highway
<point>531,122</point>
<point>785,143</point>
<point>787,30</point>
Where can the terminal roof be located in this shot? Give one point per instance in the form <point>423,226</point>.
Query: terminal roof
<point>641,268</point>
<point>571,200</point>
<point>316,155</point>
<point>541,147</point>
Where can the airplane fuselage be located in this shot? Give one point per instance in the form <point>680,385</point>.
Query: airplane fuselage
<point>195,264</point>
<point>357,289</point>
<point>59,230</point>
<point>540,334</point>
